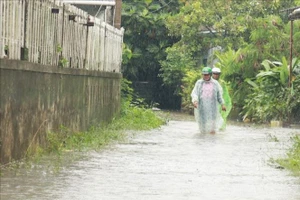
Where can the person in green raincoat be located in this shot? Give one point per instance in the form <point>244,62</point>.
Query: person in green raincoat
<point>206,96</point>
<point>216,72</point>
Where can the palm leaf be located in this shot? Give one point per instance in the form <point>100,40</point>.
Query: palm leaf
<point>252,83</point>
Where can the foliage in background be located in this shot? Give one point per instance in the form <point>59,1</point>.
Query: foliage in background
<point>202,25</point>
<point>145,41</point>
<point>234,73</point>
<point>295,99</point>
<point>189,81</point>
<point>129,97</point>
<point>176,65</point>
<point>248,32</point>
<point>267,41</point>
<point>270,97</point>
<point>145,37</point>
<point>267,99</point>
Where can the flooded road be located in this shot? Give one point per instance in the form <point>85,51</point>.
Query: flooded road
<point>174,162</point>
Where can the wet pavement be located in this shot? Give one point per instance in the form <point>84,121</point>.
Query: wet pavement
<point>174,162</point>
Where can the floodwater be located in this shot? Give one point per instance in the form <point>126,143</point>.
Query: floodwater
<point>174,162</point>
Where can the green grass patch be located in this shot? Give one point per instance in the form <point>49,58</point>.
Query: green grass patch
<point>64,145</point>
<point>132,118</point>
<point>136,118</point>
<point>292,159</point>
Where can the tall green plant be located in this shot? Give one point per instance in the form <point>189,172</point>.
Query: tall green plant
<point>176,66</point>
<point>270,97</point>
<point>234,72</point>
<point>267,40</point>
<point>146,37</point>
<point>130,98</point>
<point>188,83</point>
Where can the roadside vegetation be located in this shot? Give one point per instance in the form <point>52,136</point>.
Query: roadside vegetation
<point>292,159</point>
<point>134,115</point>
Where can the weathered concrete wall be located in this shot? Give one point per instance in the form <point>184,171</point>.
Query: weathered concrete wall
<point>36,99</point>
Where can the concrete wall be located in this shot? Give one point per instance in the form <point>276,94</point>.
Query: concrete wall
<point>36,99</point>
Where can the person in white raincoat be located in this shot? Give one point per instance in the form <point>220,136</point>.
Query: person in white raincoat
<point>206,96</point>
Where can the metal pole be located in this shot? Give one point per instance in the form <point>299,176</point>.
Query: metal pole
<point>291,55</point>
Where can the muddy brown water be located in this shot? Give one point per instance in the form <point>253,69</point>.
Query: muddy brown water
<point>172,162</point>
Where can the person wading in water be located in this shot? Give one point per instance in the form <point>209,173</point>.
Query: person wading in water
<point>216,72</point>
<point>206,95</point>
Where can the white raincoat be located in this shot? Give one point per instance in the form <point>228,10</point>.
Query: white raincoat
<point>208,94</point>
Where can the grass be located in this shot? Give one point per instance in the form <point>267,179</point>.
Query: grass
<point>292,159</point>
<point>133,118</point>
<point>65,141</point>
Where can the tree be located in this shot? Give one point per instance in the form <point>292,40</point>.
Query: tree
<point>145,36</point>
<point>247,31</point>
<point>146,39</point>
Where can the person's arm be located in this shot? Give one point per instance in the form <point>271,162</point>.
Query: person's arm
<point>220,96</point>
<point>195,94</point>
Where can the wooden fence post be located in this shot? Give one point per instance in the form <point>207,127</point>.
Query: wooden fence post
<point>1,40</point>
<point>118,12</point>
<point>86,47</point>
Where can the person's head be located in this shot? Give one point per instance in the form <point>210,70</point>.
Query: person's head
<point>206,73</point>
<point>216,72</point>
